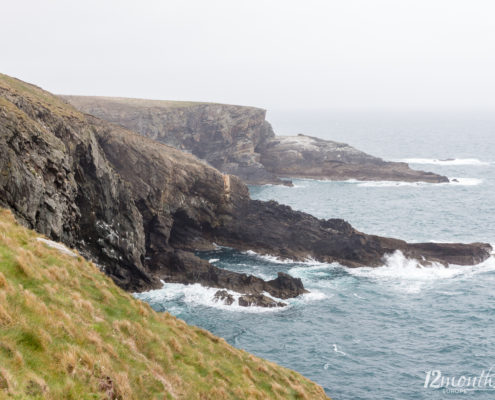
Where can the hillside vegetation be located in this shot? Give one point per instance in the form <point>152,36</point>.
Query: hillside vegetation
<point>68,332</point>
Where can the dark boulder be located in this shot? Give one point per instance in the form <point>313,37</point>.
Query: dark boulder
<point>224,297</point>
<point>287,286</point>
<point>259,300</point>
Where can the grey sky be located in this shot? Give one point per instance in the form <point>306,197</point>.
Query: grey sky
<point>273,54</point>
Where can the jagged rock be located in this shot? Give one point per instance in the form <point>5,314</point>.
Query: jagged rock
<point>140,208</point>
<point>259,300</point>
<point>224,296</point>
<point>57,180</point>
<point>287,285</point>
<point>239,141</point>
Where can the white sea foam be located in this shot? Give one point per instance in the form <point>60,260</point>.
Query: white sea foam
<point>336,349</point>
<point>58,246</point>
<point>409,275</point>
<point>319,276</point>
<point>452,182</point>
<point>272,259</point>
<point>464,181</point>
<point>278,260</point>
<point>198,295</point>
<point>446,162</point>
<point>313,295</point>
<point>213,260</point>
<point>312,270</point>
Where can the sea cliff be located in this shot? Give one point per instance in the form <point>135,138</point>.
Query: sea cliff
<point>140,209</point>
<point>238,140</point>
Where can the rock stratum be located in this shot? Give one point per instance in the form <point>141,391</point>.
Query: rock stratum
<point>238,140</point>
<point>140,209</point>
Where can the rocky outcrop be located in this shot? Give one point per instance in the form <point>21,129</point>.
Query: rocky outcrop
<point>247,300</point>
<point>140,208</point>
<point>239,141</point>
<point>309,157</point>
<point>275,229</point>
<point>259,300</point>
<point>224,297</point>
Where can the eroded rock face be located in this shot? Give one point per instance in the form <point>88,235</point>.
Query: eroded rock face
<point>141,208</point>
<point>226,136</point>
<point>239,141</point>
<point>57,180</point>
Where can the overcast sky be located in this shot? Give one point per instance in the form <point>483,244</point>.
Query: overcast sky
<point>274,54</point>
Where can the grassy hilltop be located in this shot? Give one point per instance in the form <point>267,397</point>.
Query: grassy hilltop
<point>68,332</point>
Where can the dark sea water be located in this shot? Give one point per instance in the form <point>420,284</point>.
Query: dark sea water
<point>375,333</point>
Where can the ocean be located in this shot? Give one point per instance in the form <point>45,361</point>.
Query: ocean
<point>394,332</point>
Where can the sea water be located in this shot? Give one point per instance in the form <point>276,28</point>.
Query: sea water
<point>393,332</point>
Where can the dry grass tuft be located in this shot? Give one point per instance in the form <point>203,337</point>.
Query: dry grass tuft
<point>68,361</point>
<point>5,318</point>
<point>121,382</point>
<point>247,372</point>
<point>3,282</point>
<point>175,345</point>
<point>36,386</point>
<point>22,265</point>
<point>6,381</point>
<point>58,274</point>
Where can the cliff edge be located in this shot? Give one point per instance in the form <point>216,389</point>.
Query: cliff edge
<point>238,140</point>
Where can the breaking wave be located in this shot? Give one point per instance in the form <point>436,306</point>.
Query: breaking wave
<point>198,295</point>
<point>278,260</point>
<point>410,276</point>
<point>453,182</point>
<point>446,162</point>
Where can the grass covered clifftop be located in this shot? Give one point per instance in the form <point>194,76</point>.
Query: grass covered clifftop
<point>68,332</point>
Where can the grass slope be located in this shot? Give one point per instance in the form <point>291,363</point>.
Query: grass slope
<point>68,332</point>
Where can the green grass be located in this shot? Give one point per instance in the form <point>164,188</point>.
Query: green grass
<point>37,95</point>
<point>136,102</point>
<point>68,332</point>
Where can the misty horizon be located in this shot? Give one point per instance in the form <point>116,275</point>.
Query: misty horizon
<point>274,55</point>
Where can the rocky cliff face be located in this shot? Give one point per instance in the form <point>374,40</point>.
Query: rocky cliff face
<point>226,136</point>
<point>239,141</point>
<point>140,208</point>
<point>121,199</point>
<point>57,180</point>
